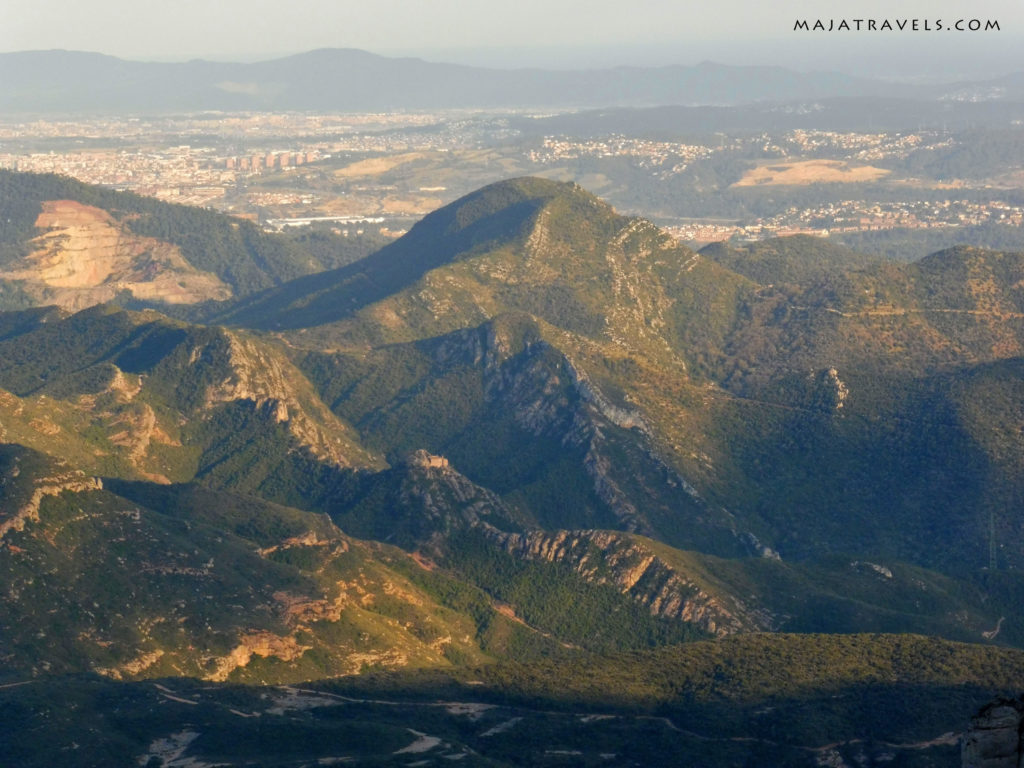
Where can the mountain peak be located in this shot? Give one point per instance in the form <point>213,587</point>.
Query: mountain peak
<point>495,198</point>
<point>524,195</point>
<point>500,216</point>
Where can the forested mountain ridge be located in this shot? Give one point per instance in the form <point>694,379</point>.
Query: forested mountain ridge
<point>731,383</point>
<point>589,372</point>
<point>529,430</point>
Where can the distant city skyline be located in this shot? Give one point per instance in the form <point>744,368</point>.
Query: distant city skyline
<point>545,33</point>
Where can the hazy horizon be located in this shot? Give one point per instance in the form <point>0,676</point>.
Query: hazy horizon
<point>921,65</point>
<point>566,34</point>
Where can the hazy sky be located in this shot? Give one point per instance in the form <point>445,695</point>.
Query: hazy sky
<point>521,32</point>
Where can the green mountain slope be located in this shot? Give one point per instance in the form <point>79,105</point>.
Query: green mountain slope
<point>526,245</point>
<point>515,414</point>
<point>187,581</point>
<point>535,431</point>
<point>795,259</point>
<point>140,396</point>
<point>873,402</point>
<point>825,410</point>
<point>651,391</point>
<point>145,580</point>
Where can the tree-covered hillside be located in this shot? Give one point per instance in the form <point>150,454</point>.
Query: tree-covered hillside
<point>523,440</point>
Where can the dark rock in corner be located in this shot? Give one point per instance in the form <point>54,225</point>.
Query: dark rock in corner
<point>994,737</point>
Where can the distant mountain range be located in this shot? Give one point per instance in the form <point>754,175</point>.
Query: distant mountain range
<point>348,79</point>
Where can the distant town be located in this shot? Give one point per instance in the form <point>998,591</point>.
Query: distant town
<point>858,216</point>
<point>385,171</point>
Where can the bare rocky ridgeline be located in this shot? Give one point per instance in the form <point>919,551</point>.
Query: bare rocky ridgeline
<point>994,739</point>
<point>632,567</point>
<point>622,560</point>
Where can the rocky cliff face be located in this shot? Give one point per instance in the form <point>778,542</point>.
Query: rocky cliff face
<point>550,395</point>
<point>633,567</point>
<point>994,737</point>
<point>430,500</point>
<point>420,502</point>
<point>252,371</point>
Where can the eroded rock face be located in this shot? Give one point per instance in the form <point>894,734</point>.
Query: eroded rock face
<point>253,372</point>
<point>72,480</point>
<point>608,557</point>
<point>994,738</point>
<point>257,643</point>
